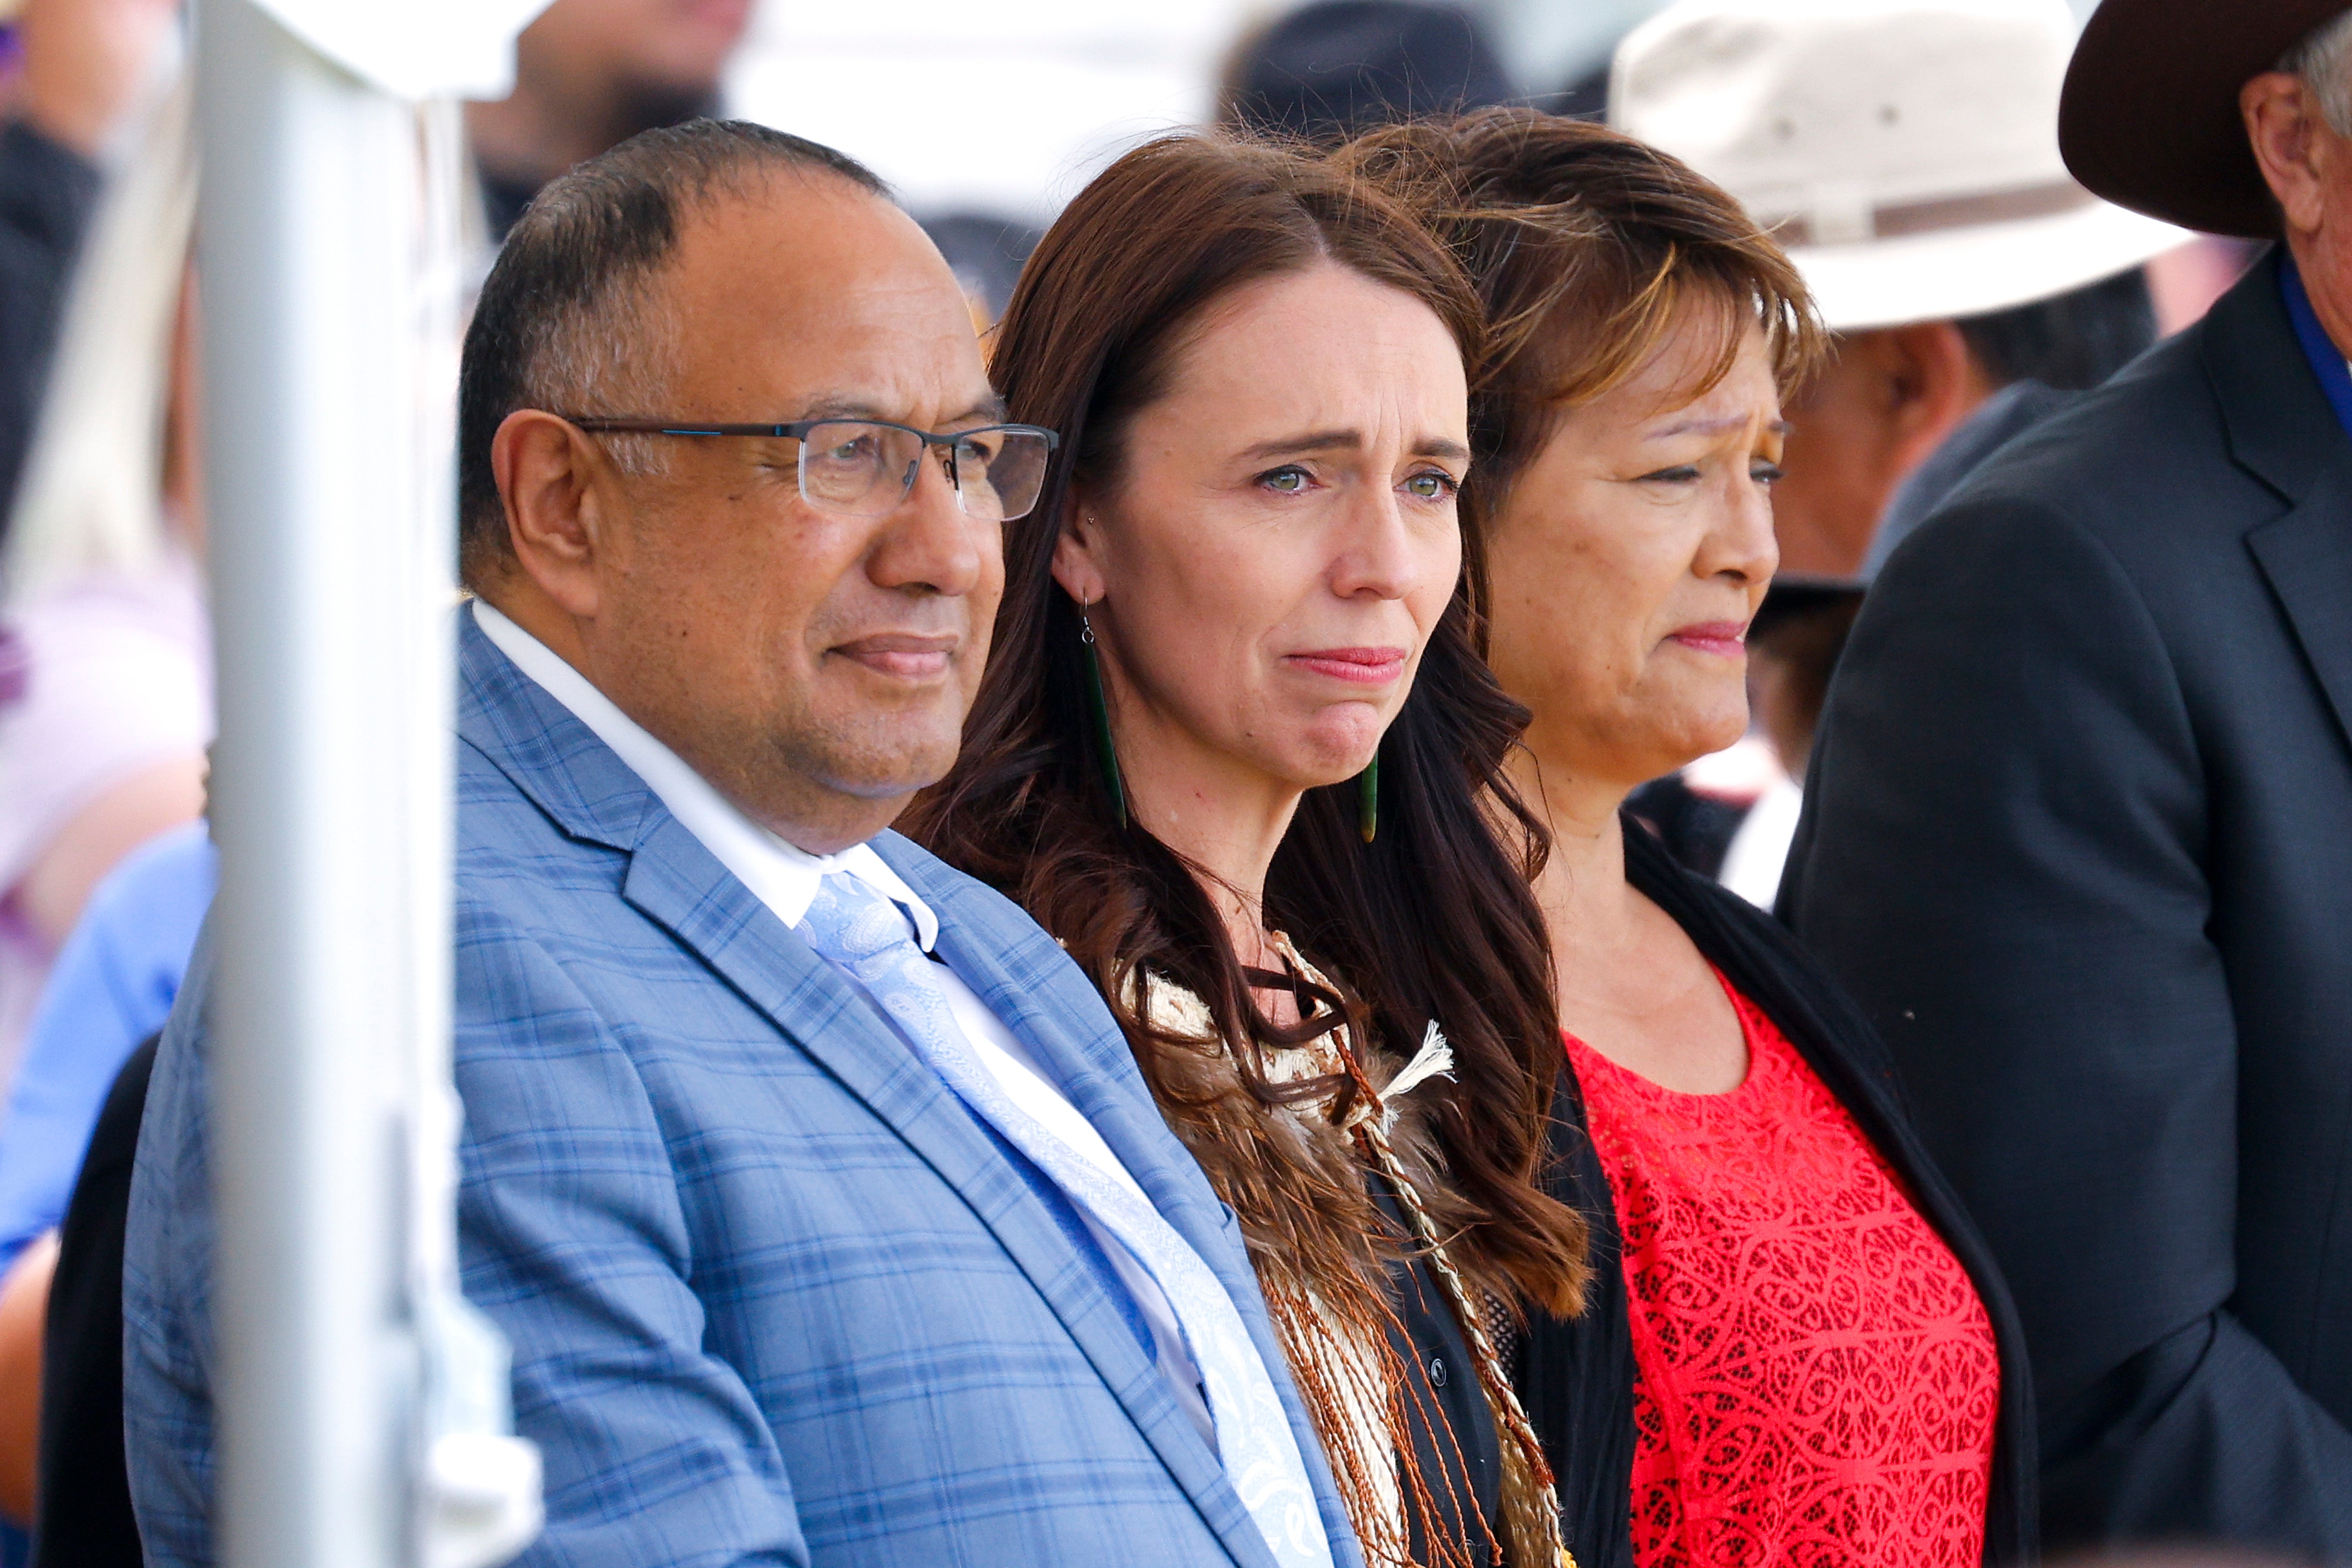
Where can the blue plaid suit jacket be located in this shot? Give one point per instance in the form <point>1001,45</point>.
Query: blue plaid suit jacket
<point>774,1296</point>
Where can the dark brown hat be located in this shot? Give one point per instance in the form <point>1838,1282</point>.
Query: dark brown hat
<point>2149,118</point>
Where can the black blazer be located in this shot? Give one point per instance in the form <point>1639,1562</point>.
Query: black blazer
<point>2079,838</point>
<point>84,1486</point>
<point>1577,1376</point>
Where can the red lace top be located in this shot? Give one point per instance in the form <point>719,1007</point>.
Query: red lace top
<point>1815,1380</point>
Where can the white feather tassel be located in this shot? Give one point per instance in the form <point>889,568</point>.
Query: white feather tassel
<point>1435,1059</point>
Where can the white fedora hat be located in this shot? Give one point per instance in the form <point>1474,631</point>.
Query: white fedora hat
<point>1904,152</point>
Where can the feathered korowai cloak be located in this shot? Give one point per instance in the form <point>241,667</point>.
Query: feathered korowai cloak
<point>1344,1206</point>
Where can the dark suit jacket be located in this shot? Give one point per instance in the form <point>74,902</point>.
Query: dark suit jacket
<point>2079,836</point>
<point>85,1490</point>
<point>1577,1377</point>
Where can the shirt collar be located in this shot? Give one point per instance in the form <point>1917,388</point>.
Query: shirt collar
<point>779,873</point>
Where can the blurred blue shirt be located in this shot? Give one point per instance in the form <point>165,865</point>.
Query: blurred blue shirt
<point>111,987</point>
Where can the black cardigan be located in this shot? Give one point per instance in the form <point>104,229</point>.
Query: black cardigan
<point>1577,1377</point>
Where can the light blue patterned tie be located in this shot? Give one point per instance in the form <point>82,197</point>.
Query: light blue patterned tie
<point>856,927</point>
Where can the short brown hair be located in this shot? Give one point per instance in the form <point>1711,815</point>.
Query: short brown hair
<point>1587,248</point>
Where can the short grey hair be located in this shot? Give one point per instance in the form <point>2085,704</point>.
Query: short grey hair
<point>2324,59</point>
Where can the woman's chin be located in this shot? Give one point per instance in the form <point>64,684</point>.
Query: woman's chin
<point>1319,767</point>
<point>1324,772</point>
<point>1685,738</point>
<point>1338,742</point>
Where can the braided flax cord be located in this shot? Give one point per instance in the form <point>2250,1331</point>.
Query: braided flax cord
<point>1530,1499</point>
<point>1331,1307</point>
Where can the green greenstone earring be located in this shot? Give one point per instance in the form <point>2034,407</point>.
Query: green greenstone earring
<point>1367,799</point>
<point>1102,717</point>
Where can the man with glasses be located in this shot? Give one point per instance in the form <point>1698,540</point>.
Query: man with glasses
<point>815,1187</point>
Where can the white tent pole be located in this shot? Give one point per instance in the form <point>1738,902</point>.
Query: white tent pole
<point>309,224</point>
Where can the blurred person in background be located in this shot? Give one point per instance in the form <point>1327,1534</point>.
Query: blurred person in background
<point>1329,69</point>
<point>2077,829</point>
<point>79,69</point>
<point>65,1162</point>
<point>588,75</point>
<point>107,710</point>
<point>1231,750</point>
<point>108,705</point>
<point>986,254</point>
<point>1905,152</point>
<point>1796,1348</point>
<point>101,741</point>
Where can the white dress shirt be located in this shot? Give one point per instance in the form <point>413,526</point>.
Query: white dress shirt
<point>785,877</point>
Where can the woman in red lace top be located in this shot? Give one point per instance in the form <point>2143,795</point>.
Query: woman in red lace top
<point>1816,1380</point>
<point>1797,1351</point>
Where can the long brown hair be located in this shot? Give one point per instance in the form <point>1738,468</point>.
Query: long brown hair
<point>1588,249</point>
<point>1434,920</point>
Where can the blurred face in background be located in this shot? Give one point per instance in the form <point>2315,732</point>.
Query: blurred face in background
<point>590,74</point>
<point>1629,557</point>
<point>1880,404</point>
<point>1265,571</point>
<point>661,49</point>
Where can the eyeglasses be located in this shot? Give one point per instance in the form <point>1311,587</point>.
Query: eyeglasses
<point>866,468</point>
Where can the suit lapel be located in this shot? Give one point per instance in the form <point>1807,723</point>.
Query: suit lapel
<point>1025,980</point>
<point>2282,429</point>
<point>2306,554</point>
<point>1123,1113</point>
<point>676,882</point>
<point>556,761</point>
<point>560,765</point>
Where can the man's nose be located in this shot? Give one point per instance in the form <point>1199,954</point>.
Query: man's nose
<point>929,542</point>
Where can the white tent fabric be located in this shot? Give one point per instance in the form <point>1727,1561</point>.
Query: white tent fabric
<point>417,50</point>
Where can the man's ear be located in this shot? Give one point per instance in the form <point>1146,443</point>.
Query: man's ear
<point>1077,552</point>
<point>2284,126</point>
<point>551,478</point>
<point>1936,384</point>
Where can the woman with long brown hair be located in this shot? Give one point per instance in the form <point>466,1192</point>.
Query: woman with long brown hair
<point>1236,748</point>
<point>1797,1348</point>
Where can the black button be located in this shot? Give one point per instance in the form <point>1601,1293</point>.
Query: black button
<point>1437,1372</point>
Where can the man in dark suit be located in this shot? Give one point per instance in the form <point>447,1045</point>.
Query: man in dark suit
<point>2080,828</point>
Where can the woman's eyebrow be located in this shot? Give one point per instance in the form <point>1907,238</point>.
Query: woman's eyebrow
<point>1348,440</point>
<point>1712,428</point>
<point>1313,441</point>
